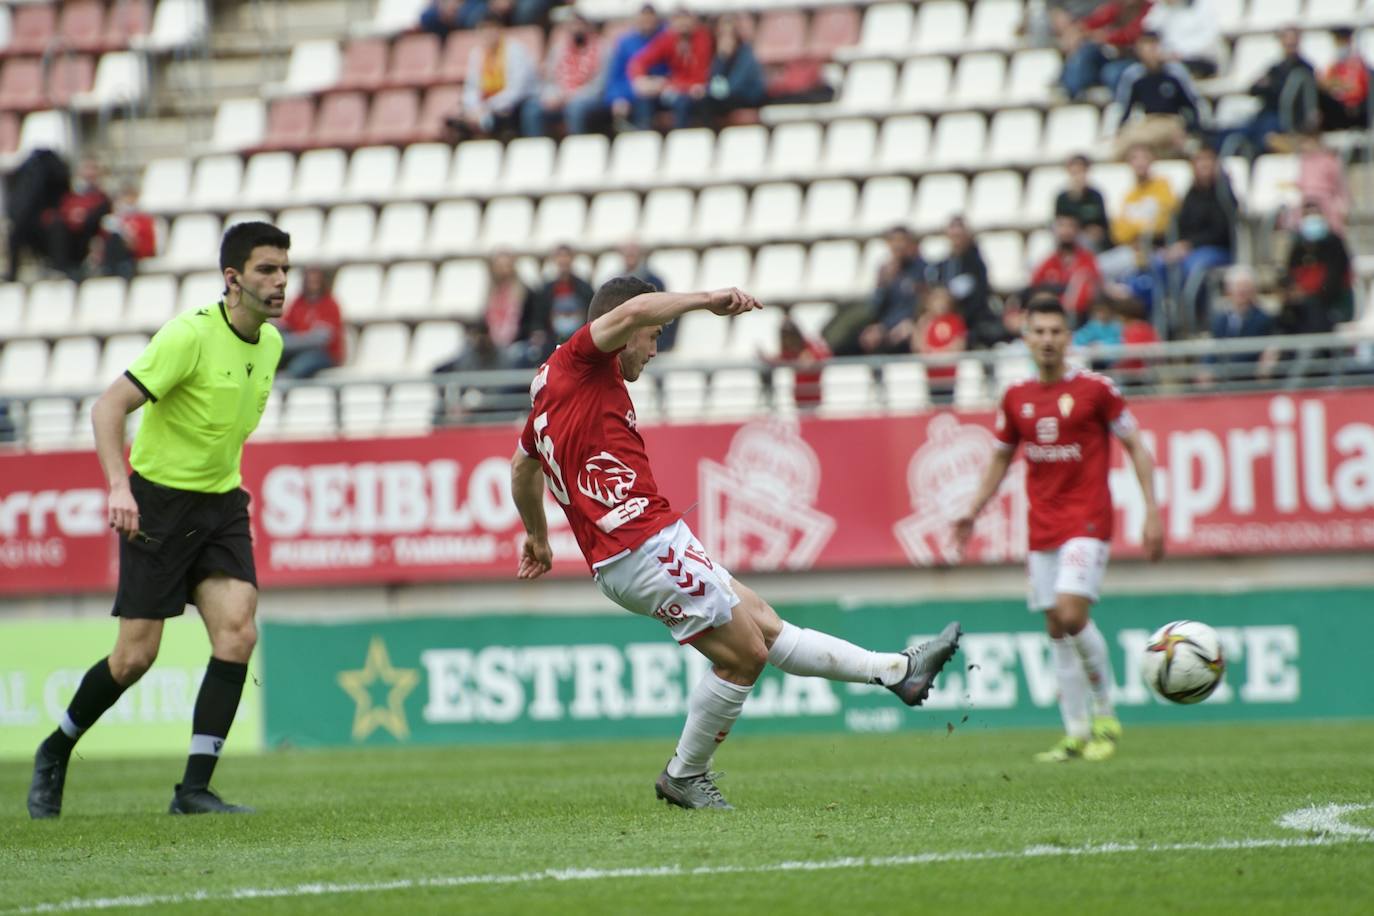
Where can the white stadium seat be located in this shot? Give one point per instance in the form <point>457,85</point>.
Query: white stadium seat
<point>722,267</point>
<point>796,149</point>
<point>119,354</point>
<point>461,289</point>
<point>239,124</point>
<point>152,301</point>
<point>612,218</point>
<point>348,231</point>
<point>410,408</point>
<point>582,161</point>
<point>166,185</point>
<point>424,170</point>
<point>1004,255</point>
<point>1071,130</point>
<point>454,227</point>
<point>774,210</point>
<point>314,65</point>
<point>778,271</point>
<point>192,243</point>
<point>434,342</point>
<point>720,212</point>
<point>685,152</point>
<point>850,146</point>
<point>830,208</point>
<point>50,423</point>
<point>100,304</point>
<point>980,80</point>
<point>309,413</point>
<point>305,225</point>
<point>832,269</point>
<point>121,80</point>
<point>941,26</point>
<point>903,143</point>
<point>476,167</point>
<point>887,28</point>
<point>320,176</point>
<point>884,203</point>
<point>73,364</point>
<point>51,307</point>
<point>11,309</point>
<point>1042,187</point>
<point>869,86</point>
<point>362,409</point>
<point>372,173</point>
<point>938,197</point>
<point>905,386</point>
<point>408,289</point>
<point>528,164</point>
<point>1031,75</point>
<point>1271,15</point>
<point>23,366</point>
<point>740,152</point>
<point>846,390</point>
<point>1273,184</point>
<point>735,394</point>
<point>925,84</point>
<point>268,179</point>
<point>358,287</point>
<point>959,139</point>
<point>634,158</point>
<point>684,392</point>
<point>216,183</point>
<point>995,199</point>
<point>677,267</point>
<point>667,213</point>
<point>199,290</point>
<point>560,220</point>
<point>401,230</point>
<point>1014,136</point>
<point>506,223</point>
<point>995,23</point>
<point>382,349</point>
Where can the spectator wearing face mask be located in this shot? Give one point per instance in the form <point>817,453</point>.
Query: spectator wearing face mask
<point>1317,293</point>
<point>1343,87</point>
<point>559,309</point>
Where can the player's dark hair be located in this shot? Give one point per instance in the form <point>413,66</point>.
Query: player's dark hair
<point>617,291</point>
<point>1046,304</point>
<point>241,238</point>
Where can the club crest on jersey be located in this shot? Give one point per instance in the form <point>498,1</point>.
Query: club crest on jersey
<point>606,479</point>
<point>1027,410</point>
<point>1065,405</point>
<point>1047,430</point>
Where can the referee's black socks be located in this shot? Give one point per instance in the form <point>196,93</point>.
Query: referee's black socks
<point>216,705</point>
<point>98,692</point>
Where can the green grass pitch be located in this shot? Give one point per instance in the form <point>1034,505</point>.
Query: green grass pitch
<point>1186,819</point>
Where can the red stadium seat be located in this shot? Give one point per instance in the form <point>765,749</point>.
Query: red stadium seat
<point>781,36</point>
<point>127,18</point>
<point>364,64</point>
<point>82,26</point>
<point>21,85</point>
<point>414,61</point>
<point>70,74</point>
<point>454,68</point>
<point>290,124</point>
<point>9,132</point>
<point>394,118</point>
<point>342,118</point>
<point>33,28</point>
<point>833,27</point>
<point>441,102</point>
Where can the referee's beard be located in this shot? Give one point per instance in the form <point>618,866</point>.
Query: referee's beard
<point>260,307</point>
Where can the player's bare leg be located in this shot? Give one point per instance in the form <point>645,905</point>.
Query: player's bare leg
<point>1074,615</point>
<point>228,607</point>
<point>134,652</point>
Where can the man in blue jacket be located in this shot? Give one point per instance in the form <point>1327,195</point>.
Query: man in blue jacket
<point>618,95</point>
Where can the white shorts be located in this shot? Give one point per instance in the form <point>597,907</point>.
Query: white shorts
<point>1076,568</point>
<point>670,578</point>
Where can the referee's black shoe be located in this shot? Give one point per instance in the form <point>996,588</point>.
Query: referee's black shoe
<point>49,778</point>
<point>193,800</point>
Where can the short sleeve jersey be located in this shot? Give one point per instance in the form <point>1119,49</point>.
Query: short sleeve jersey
<point>1065,427</point>
<point>582,428</point>
<point>206,388</point>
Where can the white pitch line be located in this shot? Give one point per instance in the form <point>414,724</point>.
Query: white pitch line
<point>675,871</point>
<point>1328,819</point>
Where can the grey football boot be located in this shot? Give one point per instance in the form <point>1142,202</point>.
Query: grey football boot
<point>690,791</point>
<point>924,662</point>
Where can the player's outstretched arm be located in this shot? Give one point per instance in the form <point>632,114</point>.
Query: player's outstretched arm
<point>122,398</point>
<point>1153,535</point>
<point>992,479</point>
<point>527,489</point>
<point>613,330</point>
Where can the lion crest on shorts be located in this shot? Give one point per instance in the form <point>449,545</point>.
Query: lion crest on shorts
<point>606,479</point>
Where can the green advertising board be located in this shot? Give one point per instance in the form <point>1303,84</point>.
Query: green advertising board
<point>1290,655</point>
<point>42,662</point>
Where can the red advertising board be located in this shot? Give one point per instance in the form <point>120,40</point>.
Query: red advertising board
<point>1252,474</point>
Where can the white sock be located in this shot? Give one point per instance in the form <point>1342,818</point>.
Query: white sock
<point>1073,689</point>
<point>1097,665</point>
<point>712,708</point>
<point>810,653</point>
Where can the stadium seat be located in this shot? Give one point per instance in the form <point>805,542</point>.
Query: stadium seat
<point>684,391</point>
<point>23,366</point>
<point>528,164</point>
<point>740,153</point>
<point>995,200</point>
<point>119,354</point>
<point>394,117</point>
<point>506,223</point>
<point>166,185</point>
<point>382,349</point>
<point>50,423</point>
<point>884,203</point>
<point>99,305</point>
<point>1330,12</point>
<point>239,124</point>
<point>780,36</point>
<point>980,80</point>
<point>1011,368</point>
<point>850,146</point>
<point>358,287</point>
<point>775,211</point>
<point>267,179</point>
<point>125,20</point>
<point>830,208</point>
<point>401,229</point>
<point>677,267</point>
<point>1179,174</point>
<point>305,225</point>
<point>393,17</point>
<point>559,220</point>
<point>461,289</point>
<point>613,216</point>
<point>685,152</point>
<point>644,396</point>
<point>832,269</point>
<point>582,161</point>
<point>309,412</point>
<point>938,197</point>
<point>454,227</point>
<point>82,25</point>
<point>1319,48</point>
<point>720,213</point>
<point>72,75</point>
<point>192,242</point>
<point>47,130</point>
<point>177,24</point>
<point>453,66</point>
<point>348,232</point>
<point>364,65</point>
<point>362,409</point>
<point>1271,15</point>
<point>925,84</point>
<point>21,84</point>
<point>903,143</point>
<point>832,27</point>
<point>887,28</point>
<point>1250,58</point>
<point>216,182</point>
<point>441,102</point>
<point>372,173</point>
<point>1032,74</point>
<point>1273,184</point>
<point>778,271</point>
<point>1113,179</point>
<point>846,390</point>
<point>341,120</point>
<point>970,384</point>
<point>905,386</point>
<point>199,290</point>
<point>151,302</point>
<point>995,22</point>
<point>423,170</point>
<point>290,124</point>
<point>476,167</point>
<point>869,86</point>
<point>320,176</point>
<point>1004,255</point>
<point>1014,137</point>
<point>415,60</point>
<point>735,394</point>
<point>1070,130</point>
<point>73,363</point>
<point>1042,187</point>
<point>434,342</point>
<point>410,408</point>
<point>959,139</point>
<point>121,79</point>
<point>724,266</point>
<point>1237,169</point>
<point>796,150</point>
<point>32,28</point>
<point>635,158</point>
<point>51,307</point>
<point>314,66</point>
<point>9,132</point>
<point>941,26</point>
<point>408,290</point>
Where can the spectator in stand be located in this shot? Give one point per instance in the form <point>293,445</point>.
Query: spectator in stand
<point>1097,48</point>
<point>1343,89</point>
<point>1288,102</point>
<point>901,287</point>
<point>1103,327</point>
<point>617,95</point>
<point>1084,203</point>
<point>806,355</point>
<point>572,71</point>
<point>685,47</point>
<point>1318,293</point>
<point>939,331</point>
<point>1241,317</point>
<point>77,220</point>
<point>1189,32</point>
<point>1135,330</point>
<point>1165,96</point>
<point>1070,271</point>
<point>1205,231</point>
<point>312,329</point>
<point>736,79</point>
<point>444,16</point>
<point>557,310</point>
<point>1321,177</point>
<point>508,313</point>
<point>479,354</point>
<point>500,78</point>
<point>1146,214</point>
<point>636,266</point>
<point>964,276</point>
<point>127,236</point>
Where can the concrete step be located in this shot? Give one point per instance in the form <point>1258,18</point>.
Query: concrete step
<point>297,20</point>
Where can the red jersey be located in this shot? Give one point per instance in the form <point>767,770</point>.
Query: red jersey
<point>304,314</point>
<point>582,428</point>
<point>942,333</point>
<point>1066,427</point>
<point>1076,278</point>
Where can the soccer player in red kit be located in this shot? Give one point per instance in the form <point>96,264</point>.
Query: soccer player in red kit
<point>1065,418</point>
<point>582,435</point>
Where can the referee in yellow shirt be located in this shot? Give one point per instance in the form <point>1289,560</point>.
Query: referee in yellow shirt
<point>181,515</point>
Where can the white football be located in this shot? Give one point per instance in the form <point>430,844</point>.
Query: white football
<point>1183,661</point>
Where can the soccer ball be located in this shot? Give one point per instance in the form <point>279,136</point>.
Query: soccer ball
<point>1183,661</point>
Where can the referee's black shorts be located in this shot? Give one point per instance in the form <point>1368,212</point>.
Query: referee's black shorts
<point>184,538</point>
